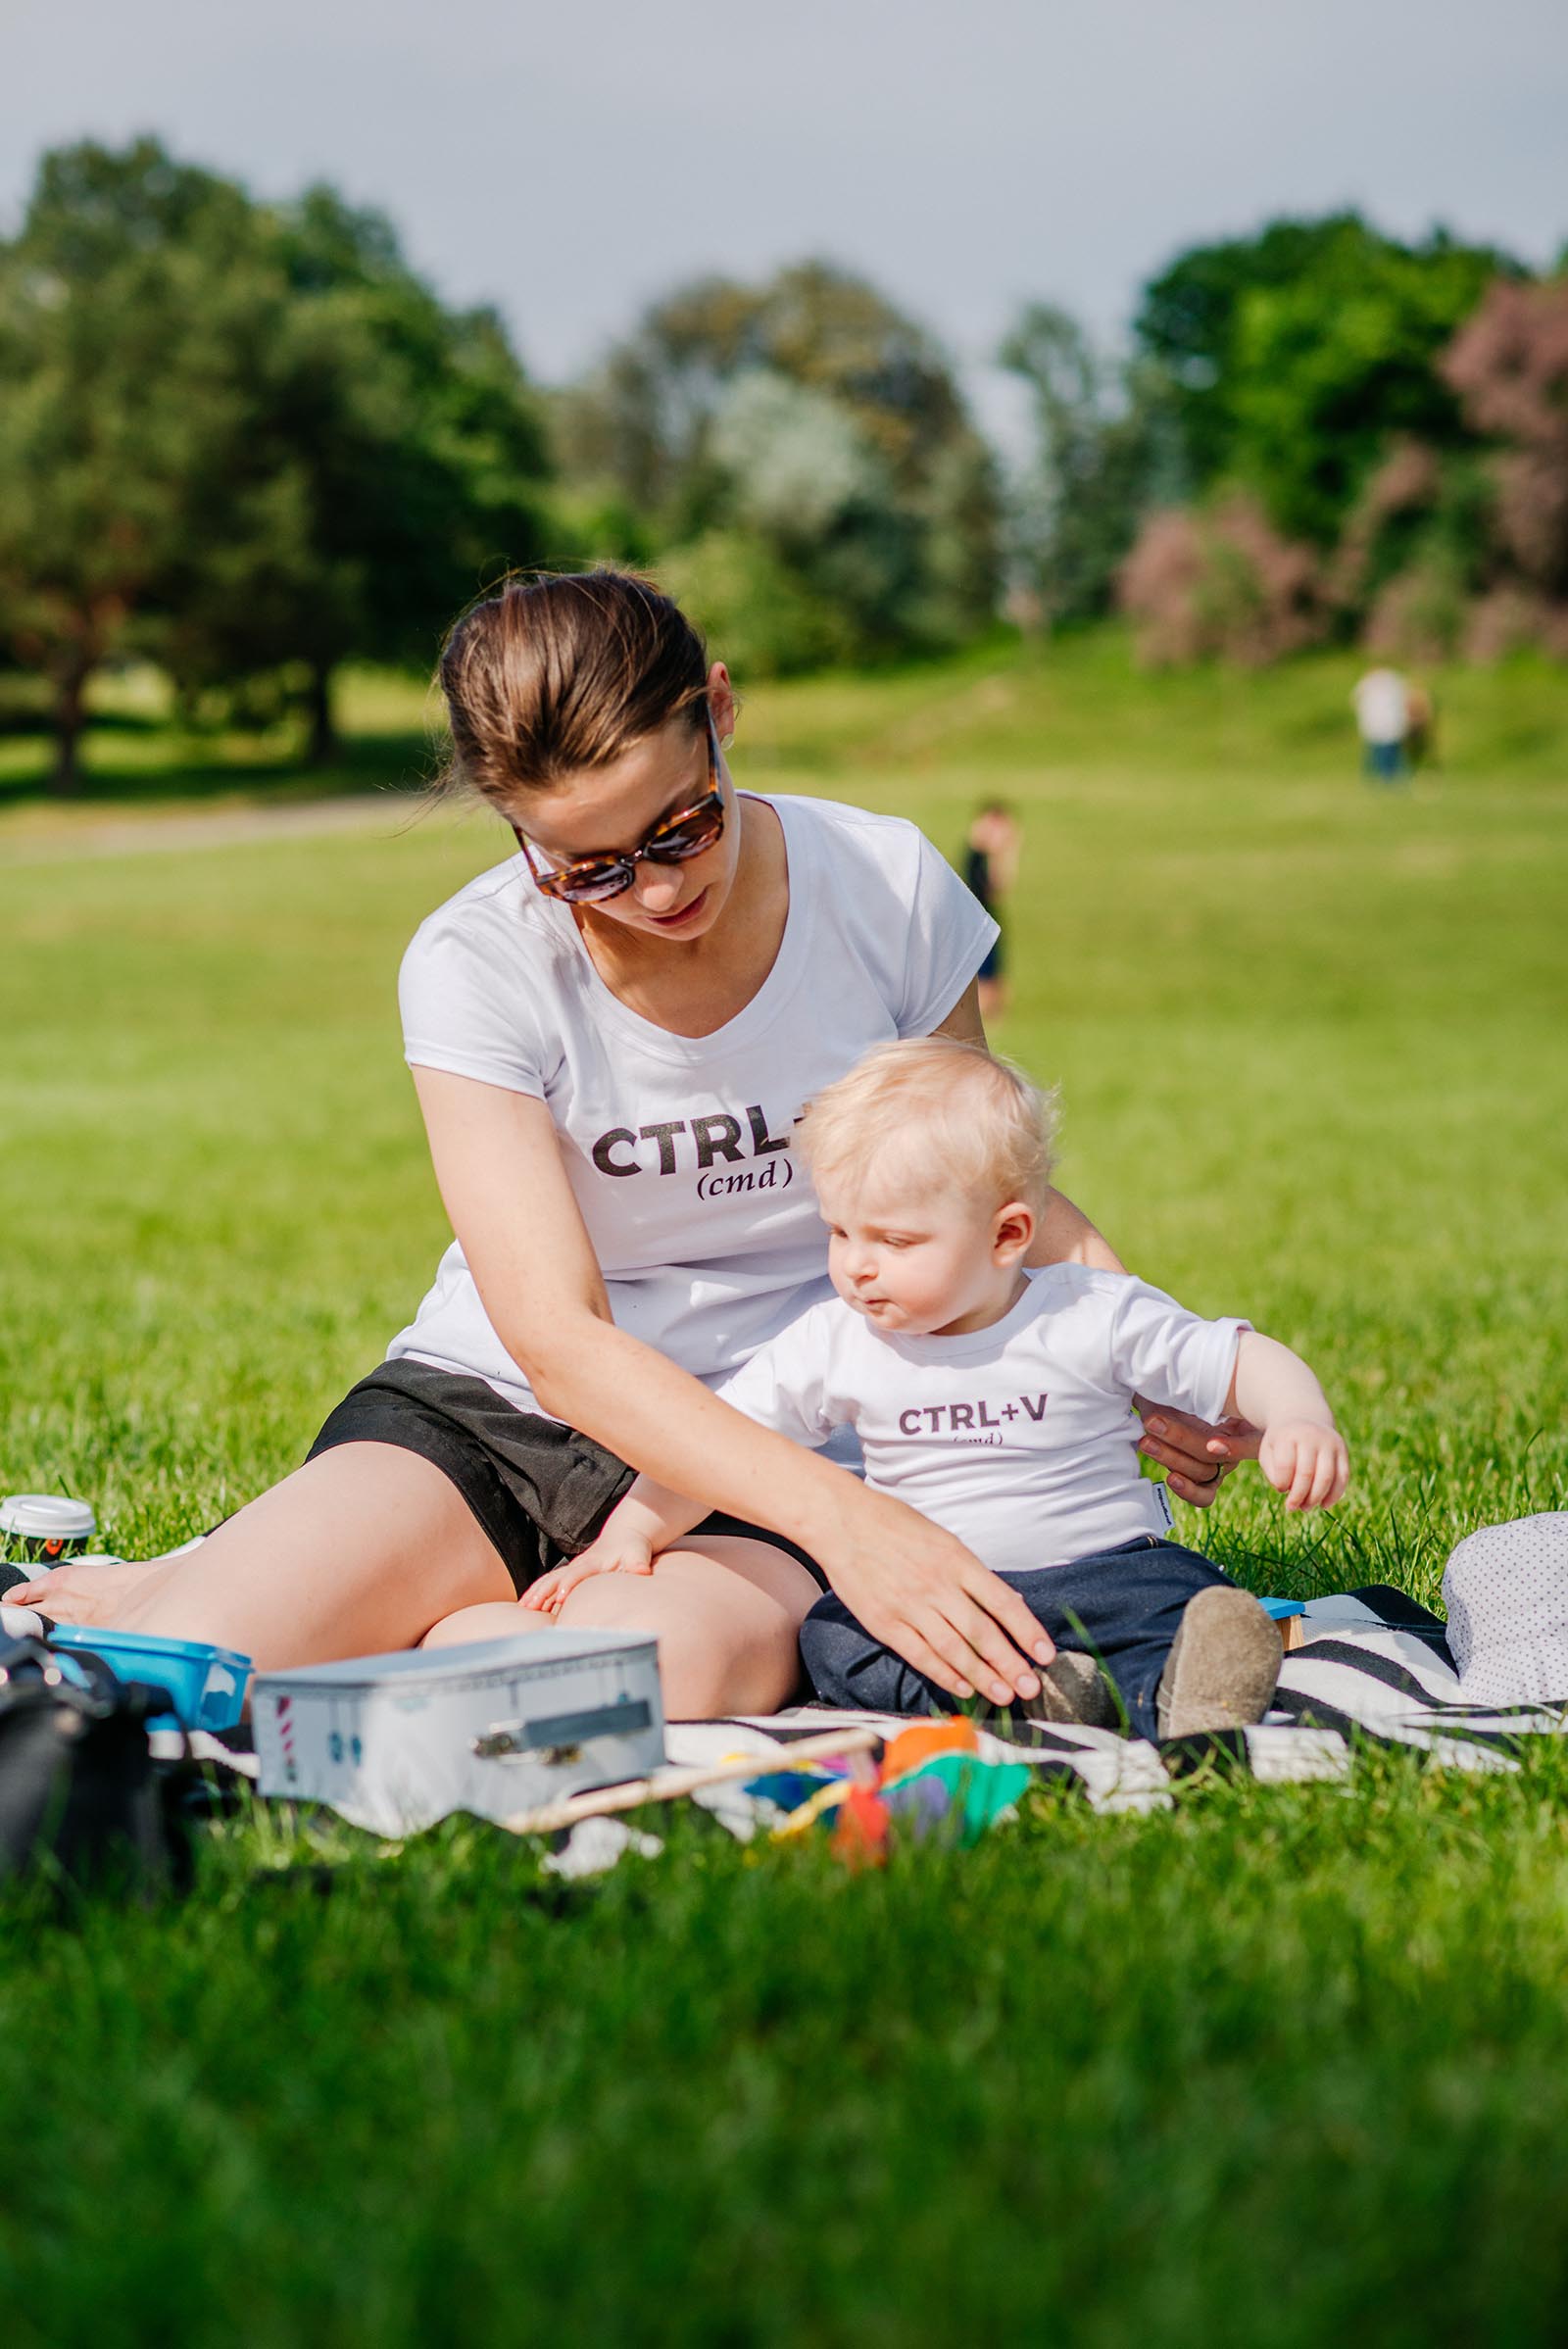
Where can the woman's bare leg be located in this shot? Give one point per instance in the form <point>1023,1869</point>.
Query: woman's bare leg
<point>726,1613</point>
<point>358,1551</point>
<point>369,1547</point>
<point>497,1619</point>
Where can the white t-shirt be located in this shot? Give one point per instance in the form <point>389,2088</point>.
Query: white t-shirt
<point>677,1147</point>
<point>1019,1437</point>
<point>1382,706</point>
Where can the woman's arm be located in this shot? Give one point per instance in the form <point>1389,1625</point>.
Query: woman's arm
<point>1065,1234</point>
<point>1196,1458</point>
<point>912,1583</point>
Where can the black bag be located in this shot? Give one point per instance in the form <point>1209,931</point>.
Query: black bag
<point>81,1797</point>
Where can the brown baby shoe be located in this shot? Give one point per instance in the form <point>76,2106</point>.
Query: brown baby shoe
<point>1073,1689</point>
<point>1223,1664</point>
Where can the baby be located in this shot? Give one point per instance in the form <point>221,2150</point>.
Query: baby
<point>997,1399</point>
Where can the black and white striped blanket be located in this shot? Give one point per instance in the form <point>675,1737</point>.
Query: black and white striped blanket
<point>1373,1666</point>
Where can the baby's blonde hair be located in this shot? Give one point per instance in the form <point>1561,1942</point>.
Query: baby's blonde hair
<point>959,1117</point>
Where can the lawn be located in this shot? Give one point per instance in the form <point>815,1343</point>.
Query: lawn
<point>1277,2065</point>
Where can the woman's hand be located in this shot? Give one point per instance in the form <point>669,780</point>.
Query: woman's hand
<point>611,1553</point>
<point>917,1590</point>
<point>1197,1455</point>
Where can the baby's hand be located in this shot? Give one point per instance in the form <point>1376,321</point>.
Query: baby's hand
<point>1306,1461</point>
<point>611,1553</point>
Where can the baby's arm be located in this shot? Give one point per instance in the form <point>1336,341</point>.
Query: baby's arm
<point>779,1387</point>
<point>1302,1452</point>
<point>650,1518</point>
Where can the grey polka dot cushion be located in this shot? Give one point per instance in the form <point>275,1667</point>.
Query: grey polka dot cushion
<point>1506,1592</point>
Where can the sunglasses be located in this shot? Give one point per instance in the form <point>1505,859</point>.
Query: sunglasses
<point>590,880</point>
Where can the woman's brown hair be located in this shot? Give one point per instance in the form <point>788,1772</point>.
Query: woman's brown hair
<point>554,674</point>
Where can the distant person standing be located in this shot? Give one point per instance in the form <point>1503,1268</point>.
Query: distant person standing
<point>992,848</point>
<point>1421,730</point>
<point>1382,701</point>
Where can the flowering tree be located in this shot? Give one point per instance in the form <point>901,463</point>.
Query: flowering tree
<point>1509,365</point>
<point>1220,583</point>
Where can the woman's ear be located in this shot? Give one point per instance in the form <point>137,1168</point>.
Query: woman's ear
<point>722,702</point>
<point>1013,1231</point>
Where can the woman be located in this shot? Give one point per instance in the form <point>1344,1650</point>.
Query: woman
<point>609,1036</point>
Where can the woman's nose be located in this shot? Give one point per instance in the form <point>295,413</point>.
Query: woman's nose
<point>657,887</point>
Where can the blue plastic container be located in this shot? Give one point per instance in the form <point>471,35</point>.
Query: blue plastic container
<point>1279,1608</point>
<point>206,1686</point>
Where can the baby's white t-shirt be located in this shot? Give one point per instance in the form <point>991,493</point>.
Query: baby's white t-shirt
<point>678,1147</point>
<point>1019,1437</point>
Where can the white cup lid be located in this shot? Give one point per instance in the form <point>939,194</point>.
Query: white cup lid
<point>46,1517</point>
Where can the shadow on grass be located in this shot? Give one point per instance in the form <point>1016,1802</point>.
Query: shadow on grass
<point>21,721</point>
<point>129,763</point>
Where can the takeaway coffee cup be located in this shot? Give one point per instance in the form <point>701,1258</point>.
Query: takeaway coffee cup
<point>44,1527</point>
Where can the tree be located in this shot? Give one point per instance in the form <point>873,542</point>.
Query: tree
<point>806,481</point>
<point>1218,582</point>
<point>247,442</point>
<point>1106,454</point>
<point>1326,374</point>
<point>417,457</point>
<point>1465,549</point>
<point>135,323</point>
<point>1186,321</point>
<point>1414,552</point>
<point>726,394</point>
<point>1509,368</point>
<point>749,600</point>
<point>1297,356</point>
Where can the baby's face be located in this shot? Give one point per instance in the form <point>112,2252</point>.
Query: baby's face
<point>912,1258</point>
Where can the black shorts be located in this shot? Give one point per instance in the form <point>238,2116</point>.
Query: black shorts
<point>540,1491</point>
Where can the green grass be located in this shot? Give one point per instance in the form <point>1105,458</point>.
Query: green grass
<point>1277,2066</point>
<point>137,764</point>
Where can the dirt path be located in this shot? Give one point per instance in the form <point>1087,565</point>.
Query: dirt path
<point>68,841</point>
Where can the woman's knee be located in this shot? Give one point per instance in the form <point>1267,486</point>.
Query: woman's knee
<point>497,1619</point>
<point>724,1646</point>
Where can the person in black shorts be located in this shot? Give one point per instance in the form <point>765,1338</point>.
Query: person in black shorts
<point>992,847</point>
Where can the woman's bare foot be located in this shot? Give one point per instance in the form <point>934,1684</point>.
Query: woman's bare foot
<point>112,1594</point>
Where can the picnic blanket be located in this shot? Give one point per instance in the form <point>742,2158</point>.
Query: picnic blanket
<point>1373,1666</point>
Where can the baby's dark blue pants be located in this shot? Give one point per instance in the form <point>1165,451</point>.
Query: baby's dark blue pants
<point>1127,1603</point>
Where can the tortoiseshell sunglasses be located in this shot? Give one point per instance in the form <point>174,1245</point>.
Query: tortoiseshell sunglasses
<point>590,880</point>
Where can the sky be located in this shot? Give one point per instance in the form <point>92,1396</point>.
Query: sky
<point>572,162</point>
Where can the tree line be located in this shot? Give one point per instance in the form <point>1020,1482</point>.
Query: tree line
<point>246,441</point>
<point>1375,443</point>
